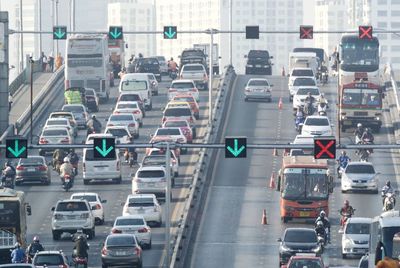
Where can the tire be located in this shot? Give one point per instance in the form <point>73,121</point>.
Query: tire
<point>48,182</point>
<point>91,234</point>
<point>41,152</point>
<point>17,183</point>
<point>136,136</point>
<point>344,256</point>
<point>103,265</point>
<point>246,99</point>
<point>141,124</point>
<point>176,174</point>
<point>56,235</point>
<point>149,245</point>
<point>86,182</point>
<point>117,181</point>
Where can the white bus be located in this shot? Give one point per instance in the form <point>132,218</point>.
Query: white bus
<point>88,63</point>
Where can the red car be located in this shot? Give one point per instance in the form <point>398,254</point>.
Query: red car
<point>183,125</point>
<point>305,260</point>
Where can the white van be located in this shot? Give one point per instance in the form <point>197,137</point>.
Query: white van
<point>133,82</point>
<point>94,169</point>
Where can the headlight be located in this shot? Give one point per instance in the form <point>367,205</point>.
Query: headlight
<point>377,118</point>
<point>248,65</point>
<point>285,248</point>
<point>348,242</point>
<point>343,117</point>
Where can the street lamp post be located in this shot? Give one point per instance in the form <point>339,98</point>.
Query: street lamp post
<point>210,76</point>
<point>21,38</point>
<point>230,34</point>
<point>31,62</point>
<point>40,26</point>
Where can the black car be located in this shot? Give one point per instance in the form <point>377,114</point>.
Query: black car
<point>149,65</point>
<point>297,241</point>
<point>92,101</point>
<point>128,96</point>
<point>193,55</point>
<point>258,62</point>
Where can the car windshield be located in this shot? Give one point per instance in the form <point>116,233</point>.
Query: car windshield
<point>118,132</point>
<point>57,122</point>
<point>121,117</point>
<point>360,169</point>
<point>134,85</point>
<point>305,91</point>
<point>68,116</point>
<point>128,221</point>
<point>121,240</point>
<point>258,83</point>
<point>151,174</point>
<point>300,236</point>
<point>74,109</point>
<point>258,54</point>
<point>90,157</point>
<point>301,184</point>
<point>132,105</point>
<point>356,96</point>
<point>148,61</point>
<point>31,161</point>
<point>304,82</point>
<point>175,124</point>
<point>192,53</point>
<point>89,198</point>
<point>89,92</point>
<point>154,161</point>
<point>141,202</point>
<point>177,112</point>
<point>187,85</point>
<point>316,121</point>
<point>302,72</point>
<point>193,68</point>
<point>129,97</point>
<point>48,259</point>
<point>71,206</point>
<point>357,228</point>
<point>184,99</point>
<point>168,131</point>
<point>306,263</point>
<point>55,132</point>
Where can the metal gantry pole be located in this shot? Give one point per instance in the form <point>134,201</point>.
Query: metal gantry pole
<point>40,28</point>
<point>52,24</point>
<point>56,24</point>
<point>210,77</point>
<point>31,100</point>
<point>168,205</point>
<point>21,38</point>
<point>230,34</point>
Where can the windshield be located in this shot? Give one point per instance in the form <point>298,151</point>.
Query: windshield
<point>55,132</point>
<point>305,184</point>
<point>149,61</point>
<point>258,83</point>
<point>154,160</point>
<point>192,53</point>
<point>258,54</point>
<point>68,116</point>
<point>187,85</point>
<point>300,236</point>
<point>134,85</point>
<point>151,174</point>
<point>360,169</point>
<point>89,198</point>
<point>31,161</point>
<point>305,91</point>
<point>49,260</point>
<point>312,121</point>
<point>193,68</point>
<point>177,112</point>
<point>302,72</point>
<point>75,109</point>
<point>117,132</point>
<point>71,206</point>
<point>57,122</point>
<point>129,97</point>
<point>141,202</point>
<point>128,221</point>
<point>306,263</point>
<point>357,228</point>
<point>175,124</point>
<point>127,106</point>
<point>304,82</point>
<point>168,131</point>
<point>360,55</point>
<point>357,96</point>
<point>121,117</point>
<point>121,240</point>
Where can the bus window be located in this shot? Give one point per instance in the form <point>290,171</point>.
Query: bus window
<point>396,245</point>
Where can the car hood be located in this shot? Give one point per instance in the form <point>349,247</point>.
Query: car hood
<point>358,238</point>
<point>300,246</point>
<point>356,176</point>
<point>317,128</point>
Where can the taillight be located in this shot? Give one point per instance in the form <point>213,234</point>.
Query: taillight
<point>63,266</point>
<point>191,119</point>
<point>97,206</point>
<point>180,140</point>
<point>110,125</point>
<point>164,119</point>
<point>118,166</point>
<point>116,112</point>
<point>43,141</point>
<point>104,251</point>
<point>194,89</point>
<point>143,230</point>
<point>66,83</point>
<point>84,167</point>
<point>138,180</point>
<point>136,112</point>
<point>205,76</point>
<point>138,251</point>
<point>20,168</point>
<point>131,125</point>
<point>42,168</point>
<point>173,161</point>
<point>172,90</point>
<point>116,231</point>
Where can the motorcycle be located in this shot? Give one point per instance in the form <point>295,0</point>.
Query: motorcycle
<point>365,153</point>
<point>389,202</point>
<point>324,77</point>
<point>309,108</point>
<point>79,262</point>
<point>173,74</point>
<point>8,178</point>
<point>343,219</point>
<point>90,130</point>
<point>68,182</point>
<point>299,121</point>
<point>322,106</point>
<point>322,238</point>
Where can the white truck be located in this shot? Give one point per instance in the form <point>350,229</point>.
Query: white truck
<point>303,60</point>
<point>215,58</point>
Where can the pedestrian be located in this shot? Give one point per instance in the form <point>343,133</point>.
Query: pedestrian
<point>10,101</point>
<point>59,61</point>
<point>44,62</point>
<point>51,62</point>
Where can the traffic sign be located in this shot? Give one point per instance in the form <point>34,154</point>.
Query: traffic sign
<point>115,32</point>
<point>170,32</point>
<point>252,32</point>
<point>59,32</point>
<point>365,32</point>
<point>16,148</point>
<point>306,31</point>
<point>104,148</point>
<point>235,147</point>
<point>325,148</point>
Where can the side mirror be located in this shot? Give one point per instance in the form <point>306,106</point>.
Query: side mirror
<point>103,201</point>
<point>279,240</point>
<point>271,85</point>
<point>53,208</point>
<point>151,135</point>
<point>28,209</point>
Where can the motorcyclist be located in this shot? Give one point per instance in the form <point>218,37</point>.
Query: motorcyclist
<point>309,104</point>
<point>320,230</point>
<point>34,247</point>
<point>66,169</point>
<point>359,132</point>
<point>343,160</point>
<point>346,210</point>
<point>367,136</point>
<point>385,190</point>
<point>94,124</point>
<point>58,155</point>
<point>73,159</point>
<point>81,247</point>
<point>323,100</point>
<point>172,66</point>
<point>327,225</point>
<point>8,171</point>
<point>18,254</point>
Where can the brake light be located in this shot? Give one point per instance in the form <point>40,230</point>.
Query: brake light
<point>173,161</point>
<point>180,140</point>
<point>143,230</point>
<point>110,125</point>
<point>191,119</point>
<point>118,166</point>
<point>104,251</point>
<point>63,266</point>
<point>116,231</point>
<point>205,77</point>
<point>194,89</point>
<point>42,168</point>
<point>97,206</point>
<point>136,112</point>
<point>138,180</point>
<point>164,119</point>
<point>43,141</point>
<point>66,83</point>
<point>138,251</point>
<point>172,90</point>
<point>20,168</point>
<point>116,112</point>
<point>131,125</point>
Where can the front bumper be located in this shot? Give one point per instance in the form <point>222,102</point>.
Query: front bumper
<point>258,95</point>
<point>349,185</point>
<point>353,121</point>
<point>355,249</point>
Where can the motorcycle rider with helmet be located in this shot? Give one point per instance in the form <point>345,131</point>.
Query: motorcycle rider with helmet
<point>8,171</point>
<point>325,221</point>
<point>94,124</point>
<point>385,190</point>
<point>358,133</point>
<point>73,159</point>
<point>320,230</point>
<point>367,135</point>
<point>81,247</point>
<point>66,169</point>
<point>343,160</point>
<point>346,211</point>
<point>309,104</point>
<point>34,247</point>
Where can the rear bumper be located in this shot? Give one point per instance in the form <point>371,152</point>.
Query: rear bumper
<point>103,175</point>
<point>258,95</point>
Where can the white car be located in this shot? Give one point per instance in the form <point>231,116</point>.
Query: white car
<point>130,107</point>
<point>183,86</point>
<point>56,135</point>
<point>124,120</point>
<point>174,159</point>
<point>95,202</point>
<point>60,122</point>
<point>150,180</point>
<point>196,72</point>
<point>316,125</point>
<point>359,176</point>
<point>133,224</point>
<point>90,137</point>
<point>174,133</point>
<point>302,93</point>
<point>258,88</point>
<point>80,113</point>
<point>120,133</point>
<point>356,234</point>
<point>300,81</point>
<point>143,204</point>
<point>300,72</point>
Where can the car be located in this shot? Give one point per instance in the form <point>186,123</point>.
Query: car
<point>300,72</point>
<point>91,137</point>
<point>355,238</point>
<point>95,202</point>
<point>183,86</point>
<point>150,180</point>
<point>121,249</point>
<point>196,72</point>
<point>59,135</point>
<point>60,122</point>
<point>258,88</point>
<point>192,102</point>
<point>131,107</point>
<point>32,169</point>
<point>68,115</point>
<point>105,169</point>
<point>156,139</point>
<point>316,125</point>
<point>304,261</point>
<point>125,120</point>
<point>128,96</point>
<point>120,133</point>
<point>133,224</point>
<point>359,176</point>
<point>258,62</point>
<point>80,113</point>
<point>152,155</point>
<point>175,133</point>
<point>92,100</point>
<point>159,160</point>
<point>181,113</point>
<point>193,55</point>
<point>153,83</point>
<point>143,204</point>
<point>136,83</point>
<point>71,216</point>
<point>301,94</point>
<point>163,65</point>
<point>149,65</point>
<point>184,126</point>
<point>50,259</point>
<point>298,240</point>
<point>301,81</point>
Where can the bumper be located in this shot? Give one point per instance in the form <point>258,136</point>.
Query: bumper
<point>71,226</point>
<point>91,105</point>
<point>32,177</point>
<point>81,123</point>
<point>353,121</point>
<point>306,214</point>
<point>258,70</point>
<point>352,186</point>
<point>104,175</point>
<point>120,260</point>
<point>157,191</point>
<point>149,217</point>
<point>257,95</point>
<point>201,84</point>
<point>355,250</point>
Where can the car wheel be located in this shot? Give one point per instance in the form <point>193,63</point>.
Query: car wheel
<point>149,245</point>
<point>56,235</point>
<point>86,182</point>
<point>41,152</point>
<point>47,182</point>
<point>140,124</point>
<point>103,265</point>
<point>375,191</point>
<point>18,183</point>
<point>343,191</point>
<point>284,219</point>
<point>344,256</point>
<point>118,181</point>
<point>246,99</point>
<point>156,93</point>
<point>91,234</point>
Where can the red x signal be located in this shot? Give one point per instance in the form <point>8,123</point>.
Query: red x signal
<point>324,148</point>
<point>306,32</point>
<point>365,32</point>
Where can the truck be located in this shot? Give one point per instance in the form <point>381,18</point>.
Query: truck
<point>304,184</point>
<point>322,57</point>
<point>303,60</point>
<point>215,58</point>
<point>259,62</point>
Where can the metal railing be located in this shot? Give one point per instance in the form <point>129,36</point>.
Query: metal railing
<point>22,77</point>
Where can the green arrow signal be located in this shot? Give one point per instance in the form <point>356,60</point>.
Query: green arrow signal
<point>115,34</point>
<point>16,152</point>
<point>236,151</point>
<point>170,34</point>
<point>59,33</point>
<point>104,151</point>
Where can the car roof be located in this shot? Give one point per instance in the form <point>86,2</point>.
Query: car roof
<point>117,127</point>
<point>299,229</point>
<point>183,80</point>
<point>360,163</point>
<point>138,196</point>
<point>258,79</point>
<point>74,105</point>
<point>62,112</point>
<point>58,118</point>
<point>127,102</point>
<point>128,93</point>
<point>358,220</point>
<point>168,128</point>
<point>127,114</point>
<point>55,128</point>
<point>317,116</point>
<point>151,168</point>
<point>299,87</point>
<point>84,193</point>
<point>302,68</point>
<point>136,216</point>
<point>193,64</point>
<point>121,235</point>
<point>97,135</point>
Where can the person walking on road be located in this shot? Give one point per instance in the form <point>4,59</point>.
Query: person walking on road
<point>51,62</point>
<point>59,61</point>
<point>44,62</point>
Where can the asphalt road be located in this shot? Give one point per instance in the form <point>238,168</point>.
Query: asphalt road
<point>42,198</point>
<point>230,232</point>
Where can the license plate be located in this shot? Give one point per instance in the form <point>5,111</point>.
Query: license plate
<point>67,180</point>
<point>304,214</point>
<point>151,184</point>
<point>258,65</point>
<point>30,169</point>
<point>120,253</point>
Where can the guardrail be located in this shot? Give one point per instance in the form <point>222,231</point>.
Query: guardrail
<point>22,77</point>
<point>38,106</point>
<point>8,132</point>
<point>190,215</point>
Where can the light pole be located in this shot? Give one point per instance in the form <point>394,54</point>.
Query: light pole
<point>56,24</point>
<point>21,38</point>
<point>72,15</point>
<point>168,205</point>
<point>31,62</point>
<point>230,34</point>
<point>210,76</point>
<point>40,27</point>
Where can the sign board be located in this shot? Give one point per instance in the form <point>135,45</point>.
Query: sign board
<point>235,147</point>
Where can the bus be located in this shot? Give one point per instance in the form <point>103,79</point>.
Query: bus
<point>88,63</point>
<point>360,102</point>
<point>304,184</point>
<point>358,56</point>
<point>13,211</point>
<point>117,55</point>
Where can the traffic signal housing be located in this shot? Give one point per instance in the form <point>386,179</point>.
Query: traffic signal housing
<point>252,32</point>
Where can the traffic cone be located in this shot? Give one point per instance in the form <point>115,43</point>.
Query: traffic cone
<point>283,71</point>
<point>264,217</point>
<point>275,152</point>
<point>272,181</point>
<point>280,103</point>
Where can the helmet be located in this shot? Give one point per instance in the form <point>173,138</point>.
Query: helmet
<point>346,203</point>
<point>322,94</point>
<point>36,239</point>
<point>309,93</point>
<point>172,58</point>
<point>320,224</point>
<point>367,129</point>
<point>343,153</point>
<point>66,160</point>
<point>322,214</point>
<point>359,125</point>
<point>388,183</point>
<point>93,116</point>
<point>7,164</point>
<point>140,55</point>
<point>17,245</point>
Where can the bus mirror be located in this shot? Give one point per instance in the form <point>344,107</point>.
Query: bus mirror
<point>278,185</point>
<point>53,208</point>
<point>28,209</point>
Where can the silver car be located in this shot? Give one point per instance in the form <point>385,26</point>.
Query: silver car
<point>360,176</point>
<point>80,113</point>
<point>258,88</point>
<point>121,249</point>
<point>50,259</point>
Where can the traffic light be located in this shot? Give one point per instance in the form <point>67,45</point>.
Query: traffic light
<point>104,148</point>
<point>16,148</point>
<point>252,32</point>
<point>60,32</point>
<point>235,147</point>
<point>365,32</point>
<point>170,32</point>
<point>324,148</point>
<point>115,32</point>
<point>306,31</point>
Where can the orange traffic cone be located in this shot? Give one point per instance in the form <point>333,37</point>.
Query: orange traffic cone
<point>283,71</point>
<point>264,217</point>
<point>272,181</point>
<point>275,152</point>
<point>280,103</point>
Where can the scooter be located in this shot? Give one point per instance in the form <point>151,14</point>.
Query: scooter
<point>309,108</point>
<point>344,218</point>
<point>79,262</point>
<point>322,106</point>
<point>324,78</point>
<point>68,182</point>
<point>173,74</point>
<point>340,169</point>
<point>390,201</point>
<point>299,121</point>
<point>8,178</point>
<point>322,238</point>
